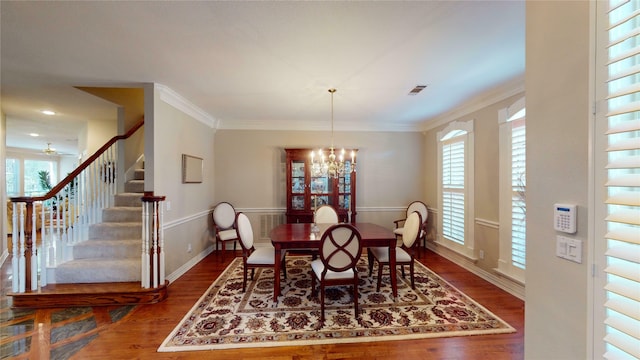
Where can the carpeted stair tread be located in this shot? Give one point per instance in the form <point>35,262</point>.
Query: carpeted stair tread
<point>122,214</point>
<point>115,230</point>
<point>107,249</point>
<point>96,270</point>
<point>128,199</point>
<point>134,186</point>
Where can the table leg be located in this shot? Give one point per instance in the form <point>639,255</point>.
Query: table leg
<point>392,270</point>
<point>276,272</point>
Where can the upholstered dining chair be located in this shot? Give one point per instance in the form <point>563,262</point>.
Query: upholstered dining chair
<point>420,207</point>
<point>325,214</point>
<point>253,257</point>
<point>340,248</point>
<point>404,254</point>
<point>224,224</point>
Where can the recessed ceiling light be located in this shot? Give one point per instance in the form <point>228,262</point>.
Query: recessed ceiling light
<point>34,134</point>
<point>48,112</point>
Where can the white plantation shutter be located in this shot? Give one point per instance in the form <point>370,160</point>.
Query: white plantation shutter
<point>518,186</point>
<point>623,183</point>
<point>453,181</point>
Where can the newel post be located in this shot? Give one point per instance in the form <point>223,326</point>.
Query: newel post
<point>152,241</point>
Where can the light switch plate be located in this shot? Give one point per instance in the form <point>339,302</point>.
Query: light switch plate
<point>569,249</point>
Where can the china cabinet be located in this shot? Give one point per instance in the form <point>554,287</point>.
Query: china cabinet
<point>305,192</point>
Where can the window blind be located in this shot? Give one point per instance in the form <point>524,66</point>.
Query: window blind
<point>518,186</point>
<point>453,182</point>
<point>622,307</point>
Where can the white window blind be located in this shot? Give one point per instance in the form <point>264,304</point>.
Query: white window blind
<point>453,180</point>
<point>518,187</point>
<point>623,182</point>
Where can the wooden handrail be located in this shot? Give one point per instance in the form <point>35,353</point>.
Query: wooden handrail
<point>67,180</point>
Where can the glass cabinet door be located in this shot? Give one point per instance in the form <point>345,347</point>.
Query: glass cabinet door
<point>344,187</point>
<point>298,185</point>
<point>320,187</point>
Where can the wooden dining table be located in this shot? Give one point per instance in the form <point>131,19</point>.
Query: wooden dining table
<point>301,236</point>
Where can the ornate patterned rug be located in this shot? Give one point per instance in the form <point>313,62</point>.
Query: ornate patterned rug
<point>225,318</point>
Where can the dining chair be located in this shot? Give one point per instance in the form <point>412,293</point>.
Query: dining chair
<point>404,254</point>
<point>224,224</point>
<point>420,207</point>
<point>325,214</point>
<point>253,257</point>
<point>340,248</point>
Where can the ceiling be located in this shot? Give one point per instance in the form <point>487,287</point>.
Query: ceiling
<point>256,65</point>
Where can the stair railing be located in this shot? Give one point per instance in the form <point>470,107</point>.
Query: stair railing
<point>61,218</point>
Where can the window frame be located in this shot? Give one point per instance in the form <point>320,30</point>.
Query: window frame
<point>505,260</point>
<point>464,130</point>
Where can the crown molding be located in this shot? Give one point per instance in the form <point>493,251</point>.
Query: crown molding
<point>502,92</point>
<point>179,102</point>
<point>293,125</point>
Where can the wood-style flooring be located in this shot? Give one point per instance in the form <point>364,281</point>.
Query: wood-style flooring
<point>136,332</point>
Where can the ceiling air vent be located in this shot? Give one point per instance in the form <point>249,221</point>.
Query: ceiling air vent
<point>417,89</point>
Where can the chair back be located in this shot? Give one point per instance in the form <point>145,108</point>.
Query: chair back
<point>412,229</point>
<point>340,247</point>
<point>420,207</point>
<point>325,214</point>
<point>245,231</point>
<point>224,215</point>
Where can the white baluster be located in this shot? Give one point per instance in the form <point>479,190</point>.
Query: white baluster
<point>22,271</point>
<point>15,249</point>
<point>155,244</point>
<point>161,255</point>
<point>34,253</point>
<point>145,245</point>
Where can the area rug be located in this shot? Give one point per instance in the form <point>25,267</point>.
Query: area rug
<point>225,317</point>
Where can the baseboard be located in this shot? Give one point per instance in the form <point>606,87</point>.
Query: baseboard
<point>189,264</point>
<point>513,288</point>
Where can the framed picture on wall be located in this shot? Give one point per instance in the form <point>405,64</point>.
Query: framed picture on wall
<point>192,169</point>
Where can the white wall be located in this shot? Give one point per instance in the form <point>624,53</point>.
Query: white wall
<point>557,85</point>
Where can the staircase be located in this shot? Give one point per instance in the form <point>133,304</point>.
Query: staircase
<point>112,251</point>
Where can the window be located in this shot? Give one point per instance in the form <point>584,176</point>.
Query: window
<point>512,190</point>
<point>618,181</point>
<point>455,156</point>
<point>25,178</point>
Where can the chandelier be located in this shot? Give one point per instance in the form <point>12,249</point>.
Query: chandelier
<point>332,165</point>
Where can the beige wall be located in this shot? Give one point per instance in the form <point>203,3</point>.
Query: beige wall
<point>557,80</point>
<point>187,206</point>
<point>3,191</point>
<point>486,181</point>
<point>250,169</point>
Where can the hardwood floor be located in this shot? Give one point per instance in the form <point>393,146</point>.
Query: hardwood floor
<point>139,332</point>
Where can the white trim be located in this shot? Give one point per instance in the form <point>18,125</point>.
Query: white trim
<point>503,92</point>
<point>504,283</point>
<point>176,100</point>
<point>186,219</point>
<point>487,223</point>
<point>189,264</point>
<point>294,125</point>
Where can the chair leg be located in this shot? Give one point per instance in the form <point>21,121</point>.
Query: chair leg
<point>322,290</point>
<point>313,283</point>
<point>355,298</point>
<point>253,272</point>
<point>380,266</point>
<point>244,279</point>
<point>413,285</point>
<point>234,245</point>
<point>370,259</point>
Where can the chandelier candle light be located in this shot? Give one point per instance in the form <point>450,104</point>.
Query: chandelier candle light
<point>333,165</point>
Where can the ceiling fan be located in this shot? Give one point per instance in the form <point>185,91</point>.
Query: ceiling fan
<point>49,150</point>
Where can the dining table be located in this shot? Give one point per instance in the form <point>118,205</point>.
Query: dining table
<point>306,236</point>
